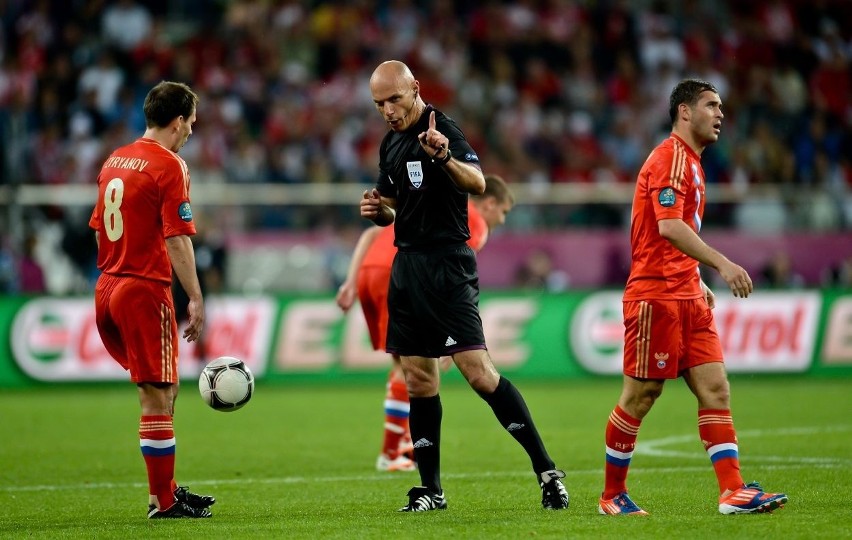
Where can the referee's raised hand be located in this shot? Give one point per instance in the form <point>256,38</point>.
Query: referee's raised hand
<point>433,141</point>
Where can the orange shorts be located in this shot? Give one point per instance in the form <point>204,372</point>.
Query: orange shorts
<point>664,338</point>
<point>136,322</point>
<point>373,284</point>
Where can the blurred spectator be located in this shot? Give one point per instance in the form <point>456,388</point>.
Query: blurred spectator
<point>8,272</point>
<point>79,246</point>
<point>125,24</point>
<point>624,146</point>
<point>538,273</point>
<point>778,273</point>
<point>30,274</point>
<point>840,275</point>
<point>17,127</point>
<point>659,46</point>
<point>101,83</point>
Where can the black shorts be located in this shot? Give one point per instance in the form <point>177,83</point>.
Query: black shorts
<point>433,302</point>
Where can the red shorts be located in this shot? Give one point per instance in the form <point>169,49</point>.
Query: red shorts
<point>136,322</point>
<point>373,284</point>
<point>663,338</point>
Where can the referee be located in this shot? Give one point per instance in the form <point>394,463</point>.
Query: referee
<point>426,171</point>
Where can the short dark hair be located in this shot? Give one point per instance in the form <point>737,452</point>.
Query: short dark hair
<point>496,187</point>
<point>687,91</point>
<point>167,101</point>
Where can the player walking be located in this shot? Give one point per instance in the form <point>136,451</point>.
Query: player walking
<point>669,326</point>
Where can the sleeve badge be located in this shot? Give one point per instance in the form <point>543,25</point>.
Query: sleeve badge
<point>185,211</point>
<point>667,197</point>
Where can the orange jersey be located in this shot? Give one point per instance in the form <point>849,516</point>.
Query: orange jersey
<point>670,186</point>
<point>143,198</point>
<point>382,250</point>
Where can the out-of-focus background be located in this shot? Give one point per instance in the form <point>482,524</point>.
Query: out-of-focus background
<point>563,98</point>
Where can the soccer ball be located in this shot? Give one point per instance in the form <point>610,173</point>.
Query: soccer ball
<point>226,384</point>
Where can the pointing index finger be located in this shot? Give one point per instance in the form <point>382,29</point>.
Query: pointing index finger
<point>432,120</point>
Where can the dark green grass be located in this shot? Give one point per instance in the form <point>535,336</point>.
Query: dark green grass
<point>297,462</point>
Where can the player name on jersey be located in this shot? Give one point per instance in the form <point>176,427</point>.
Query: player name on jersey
<point>118,162</point>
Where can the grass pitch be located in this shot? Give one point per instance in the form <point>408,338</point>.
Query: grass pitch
<point>297,462</point>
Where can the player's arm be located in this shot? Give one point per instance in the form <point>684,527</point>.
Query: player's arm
<point>347,291</point>
<point>182,257</point>
<point>681,236</point>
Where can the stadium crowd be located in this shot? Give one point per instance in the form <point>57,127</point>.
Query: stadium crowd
<point>550,91</point>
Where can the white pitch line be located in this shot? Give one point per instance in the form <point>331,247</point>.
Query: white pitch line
<point>648,448</point>
<point>391,476</point>
<point>654,447</point>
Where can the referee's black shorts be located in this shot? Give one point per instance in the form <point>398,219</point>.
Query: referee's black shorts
<point>433,302</point>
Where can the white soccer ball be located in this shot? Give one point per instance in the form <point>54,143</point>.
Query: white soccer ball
<point>226,384</point>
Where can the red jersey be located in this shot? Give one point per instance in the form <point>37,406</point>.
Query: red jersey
<point>478,228</point>
<point>382,250</point>
<point>143,198</point>
<point>670,186</point>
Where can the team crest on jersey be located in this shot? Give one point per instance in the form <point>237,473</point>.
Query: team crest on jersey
<point>415,173</point>
<point>185,211</point>
<point>667,197</point>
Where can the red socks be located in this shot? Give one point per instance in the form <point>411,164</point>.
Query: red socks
<point>621,432</point>
<point>716,429</point>
<point>397,408</point>
<point>157,442</point>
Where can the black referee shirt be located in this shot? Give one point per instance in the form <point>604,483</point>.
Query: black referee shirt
<point>430,210</point>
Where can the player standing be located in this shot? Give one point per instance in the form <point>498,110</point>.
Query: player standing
<point>143,222</point>
<point>368,279</point>
<point>669,326</point>
<point>426,171</point>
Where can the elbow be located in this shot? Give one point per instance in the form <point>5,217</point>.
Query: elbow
<point>666,230</point>
<point>478,187</point>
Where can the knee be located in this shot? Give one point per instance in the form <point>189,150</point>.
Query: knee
<point>478,370</point>
<point>420,383</point>
<point>483,381</point>
<point>716,396</point>
<point>638,404</point>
